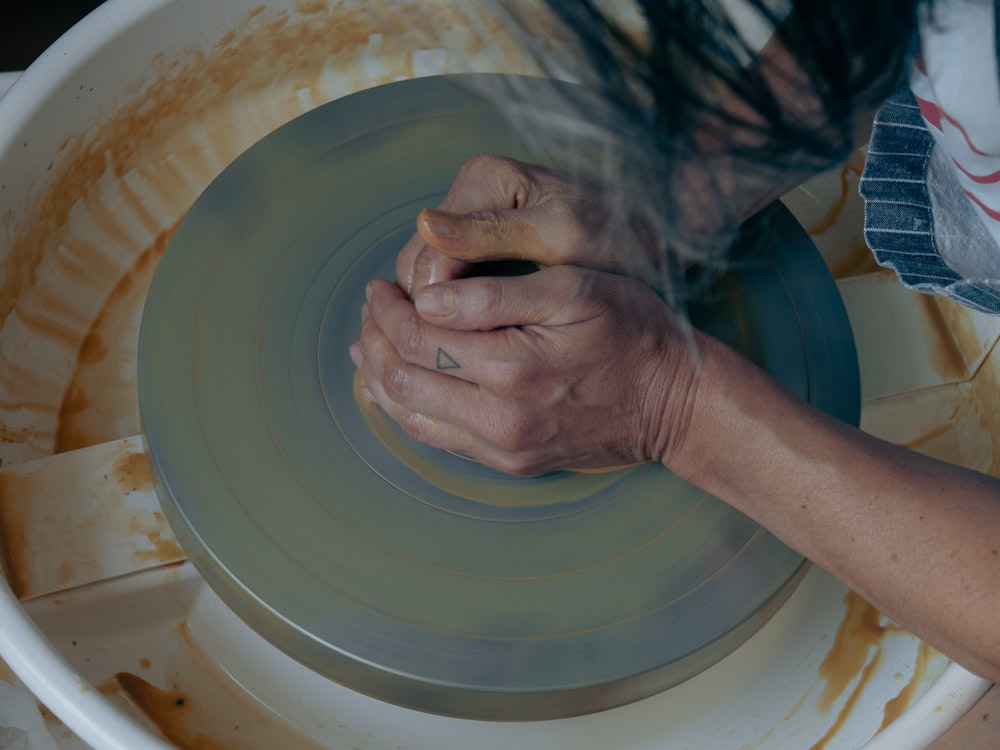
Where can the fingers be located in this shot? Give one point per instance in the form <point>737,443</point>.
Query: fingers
<point>418,264</point>
<point>447,245</point>
<point>515,234</point>
<point>485,183</point>
<point>437,431</point>
<point>519,360</point>
<point>402,400</point>
<point>444,412</point>
<point>553,296</point>
<point>430,405</point>
<point>450,389</point>
<point>395,334</point>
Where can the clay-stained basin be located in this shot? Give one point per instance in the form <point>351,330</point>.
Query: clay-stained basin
<point>104,144</point>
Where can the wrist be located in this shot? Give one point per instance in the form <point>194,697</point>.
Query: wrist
<point>671,393</point>
<point>711,418</point>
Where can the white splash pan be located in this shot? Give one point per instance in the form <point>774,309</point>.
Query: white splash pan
<point>104,143</point>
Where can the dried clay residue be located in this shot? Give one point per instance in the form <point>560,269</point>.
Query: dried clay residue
<point>15,549</point>
<point>850,171</point>
<point>855,657</point>
<point>132,474</point>
<point>858,260</point>
<point>169,709</point>
<point>66,521</point>
<point>943,348</point>
<point>966,436</point>
<point>988,413</point>
<point>163,550</point>
<point>131,471</point>
<point>100,403</point>
<point>200,707</point>
<point>853,258</point>
<point>111,189</point>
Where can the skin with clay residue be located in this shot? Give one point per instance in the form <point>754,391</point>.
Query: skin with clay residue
<point>395,443</point>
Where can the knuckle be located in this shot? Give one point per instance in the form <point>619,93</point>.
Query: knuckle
<point>518,465</point>
<point>522,183</point>
<point>406,260</point>
<point>492,231</point>
<point>486,164</point>
<point>414,425</point>
<point>422,267</point>
<point>509,379</point>
<point>410,341</point>
<point>397,383</point>
<point>582,286</point>
<point>405,276</point>
<point>514,434</point>
<point>488,298</point>
<point>514,178</point>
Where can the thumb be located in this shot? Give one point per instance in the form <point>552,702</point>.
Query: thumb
<point>483,236</point>
<point>552,296</point>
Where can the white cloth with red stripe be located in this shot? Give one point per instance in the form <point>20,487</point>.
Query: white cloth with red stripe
<point>956,82</point>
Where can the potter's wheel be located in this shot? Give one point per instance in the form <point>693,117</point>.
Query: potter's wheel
<point>456,590</point>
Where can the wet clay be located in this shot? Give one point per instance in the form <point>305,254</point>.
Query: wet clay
<point>396,443</point>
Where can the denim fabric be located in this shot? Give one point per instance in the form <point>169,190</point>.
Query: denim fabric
<point>899,222</point>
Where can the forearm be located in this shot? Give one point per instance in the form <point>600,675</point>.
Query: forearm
<point>919,538</point>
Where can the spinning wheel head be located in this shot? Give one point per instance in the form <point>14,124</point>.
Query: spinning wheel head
<point>414,575</point>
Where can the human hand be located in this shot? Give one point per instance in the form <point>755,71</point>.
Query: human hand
<point>503,209</point>
<point>562,368</point>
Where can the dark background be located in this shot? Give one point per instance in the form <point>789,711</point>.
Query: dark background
<point>27,28</point>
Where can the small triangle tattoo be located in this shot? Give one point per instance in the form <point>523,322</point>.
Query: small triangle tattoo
<point>445,362</point>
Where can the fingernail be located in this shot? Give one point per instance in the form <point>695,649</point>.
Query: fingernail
<point>365,312</point>
<point>437,300</point>
<point>368,291</point>
<point>355,352</point>
<point>441,223</point>
<point>367,395</point>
